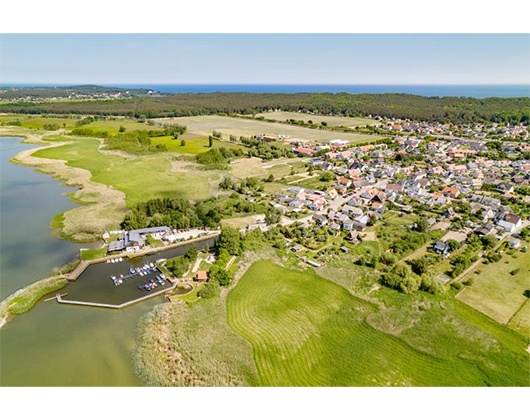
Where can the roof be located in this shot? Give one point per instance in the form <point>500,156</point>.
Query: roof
<point>202,275</point>
<point>512,218</point>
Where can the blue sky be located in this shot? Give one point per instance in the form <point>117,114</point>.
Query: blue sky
<point>266,58</point>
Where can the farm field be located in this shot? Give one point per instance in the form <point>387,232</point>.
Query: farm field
<point>308,331</point>
<point>333,121</point>
<point>255,167</point>
<point>204,125</point>
<point>140,178</point>
<point>521,320</point>
<point>495,292</point>
<point>39,122</point>
<point>242,222</point>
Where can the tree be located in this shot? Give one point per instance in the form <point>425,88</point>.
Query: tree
<point>210,141</point>
<point>121,129</point>
<point>220,276</point>
<point>230,240</point>
<point>327,176</point>
<point>209,290</point>
<point>453,245</point>
<point>422,225</point>
<point>273,216</point>
<point>192,253</point>
<point>183,142</point>
<point>270,178</point>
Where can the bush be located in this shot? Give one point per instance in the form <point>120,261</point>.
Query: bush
<point>209,290</point>
<point>514,272</point>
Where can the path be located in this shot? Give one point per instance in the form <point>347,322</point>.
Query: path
<point>229,263</point>
<point>196,265</point>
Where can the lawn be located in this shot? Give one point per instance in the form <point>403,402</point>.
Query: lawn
<point>495,292</point>
<point>92,254</point>
<point>242,222</point>
<point>192,146</point>
<point>332,121</point>
<point>140,178</point>
<point>204,125</point>
<point>308,331</point>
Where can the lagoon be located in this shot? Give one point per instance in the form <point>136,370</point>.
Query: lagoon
<point>54,344</point>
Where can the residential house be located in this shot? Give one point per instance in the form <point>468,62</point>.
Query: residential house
<point>510,222</point>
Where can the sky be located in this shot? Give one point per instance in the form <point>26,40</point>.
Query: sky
<point>265,58</point>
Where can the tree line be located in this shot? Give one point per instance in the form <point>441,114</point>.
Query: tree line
<point>443,109</point>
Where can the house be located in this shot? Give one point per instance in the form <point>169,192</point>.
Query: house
<point>451,192</point>
<point>304,151</point>
<point>441,248</point>
<point>347,224</point>
<point>344,181</point>
<point>202,275</point>
<point>353,236</point>
<point>297,248</point>
<point>320,219</point>
<point>510,222</point>
<point>134,240</point>
<point>296,204</point>
<point>514,243</point>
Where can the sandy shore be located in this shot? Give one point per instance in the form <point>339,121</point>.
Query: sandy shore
<point>102,207</point>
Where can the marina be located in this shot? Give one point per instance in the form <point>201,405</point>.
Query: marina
<point>119,281</point>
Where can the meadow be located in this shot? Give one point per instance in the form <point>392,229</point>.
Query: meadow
<point>495,291</point>
<point>204,125</point>
<point>332,121</point>
<point>308,331</point>
<point>141,178</point>
<point>193,145</point>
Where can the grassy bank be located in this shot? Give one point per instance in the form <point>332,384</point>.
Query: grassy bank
<point>24,299</point>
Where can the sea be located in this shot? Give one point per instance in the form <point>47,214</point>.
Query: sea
<point>472,91</point>
<point>438,90</point>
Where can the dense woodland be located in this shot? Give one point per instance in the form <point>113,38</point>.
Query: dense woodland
<point>445,109</point>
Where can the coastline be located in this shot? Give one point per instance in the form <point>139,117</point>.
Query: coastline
<point>101,206</point>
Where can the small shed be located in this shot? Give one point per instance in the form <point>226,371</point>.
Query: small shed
<point>202,275</point>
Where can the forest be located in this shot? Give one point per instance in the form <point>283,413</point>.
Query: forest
<point>442,109</point>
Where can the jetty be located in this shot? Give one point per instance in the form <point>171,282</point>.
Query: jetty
<point>74,274</point>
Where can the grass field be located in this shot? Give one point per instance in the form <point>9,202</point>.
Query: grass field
<point>140,178</point>
<point>521,320</point>
<point>92,254</point>
<point>242,222</point>
<point>331,120</point>
<point>204,125</point>
<point>307,331</point>
<point>39,122</point>
<point>113,126</point>
<point>495,292</point>
<point>192,146</point>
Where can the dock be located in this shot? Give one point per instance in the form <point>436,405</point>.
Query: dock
<point>74,274</point>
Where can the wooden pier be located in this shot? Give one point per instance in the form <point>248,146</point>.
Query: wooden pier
<point>73,275</point>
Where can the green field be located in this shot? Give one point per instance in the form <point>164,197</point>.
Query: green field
<point>39,122</point>
<point>192,146</point>
<point>495,292</point>
<point>307,331</point>
<point>113,126</point>
<point>332,121</point>
<point>140,178</point>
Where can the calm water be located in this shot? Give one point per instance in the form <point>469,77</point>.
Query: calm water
<point>53,344</point>
<point>473,91</point>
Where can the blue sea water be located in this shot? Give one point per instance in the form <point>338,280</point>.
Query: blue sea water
<point>473,91</point>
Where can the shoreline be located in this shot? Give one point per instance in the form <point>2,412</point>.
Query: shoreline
<point>101,207</point>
